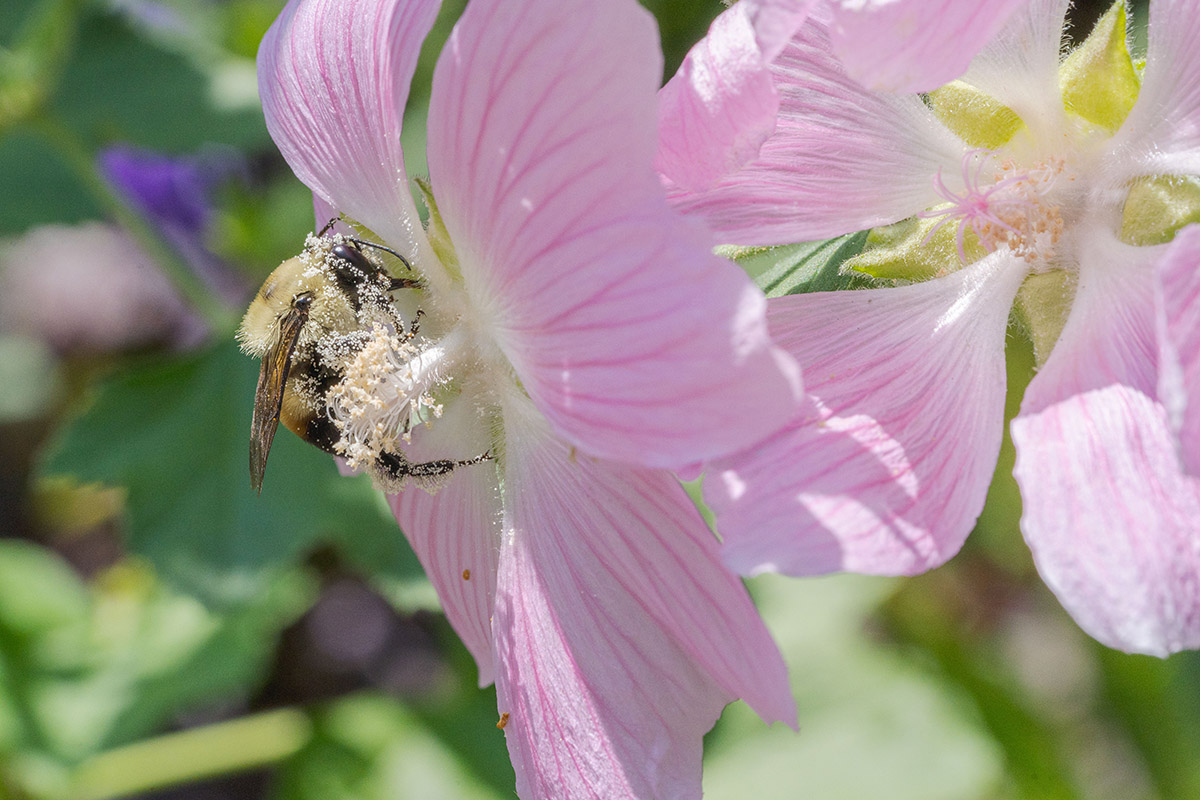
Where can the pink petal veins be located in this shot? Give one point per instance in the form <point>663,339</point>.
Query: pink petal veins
<point>1113,522</point>
<point>720,106</point>
<point>632,338</point>
<point>455,531</point>
<point>835,145</point>
<point>913,45</point>
<point>334,76</point>
<point>1177,302</point>
<point>619,635</point>
<point>1019,65</point>
<point>888,469</point>
<point>1161,135</point>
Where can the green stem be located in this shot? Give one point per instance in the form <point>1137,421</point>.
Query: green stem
<point>219,317</point>
<point>191,755</point>
<point>31,69</point>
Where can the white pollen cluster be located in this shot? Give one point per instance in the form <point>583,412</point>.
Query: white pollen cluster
<point>384,392</point>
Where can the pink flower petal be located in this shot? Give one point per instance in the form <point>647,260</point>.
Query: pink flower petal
<point>628,333</point>
<point>619,635</point>
<point>455,532</point>
<point>720,106</point>
<point>841,159</point>
<point>1113,522</point>
<point>913,45</point>
<point>334,76</point>
<point>1019,66</point>
<point>1177,301</point>
<point>888,470</point>
<point>1161,134</point>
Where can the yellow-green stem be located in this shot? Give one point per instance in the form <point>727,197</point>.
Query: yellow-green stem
<point>191,755</point>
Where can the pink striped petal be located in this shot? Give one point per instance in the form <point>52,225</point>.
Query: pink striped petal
<point>1113,522</point>
<point>628,333</point>
<point>720,106</point>
<point>455,531</point>
<point>1019,66</point>
<point>1177,301</point>
<point>841,159</point>
<point>888,470</point>
<point>334,76</point>
<point>1161,134</point>
<point>914,45</point>
<point>619,635</point>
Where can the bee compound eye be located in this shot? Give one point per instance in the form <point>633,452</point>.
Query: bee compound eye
<point>302,301</point>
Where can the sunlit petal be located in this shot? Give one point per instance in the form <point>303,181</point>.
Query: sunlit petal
<point>1113,522</point>
<point>889,468</point>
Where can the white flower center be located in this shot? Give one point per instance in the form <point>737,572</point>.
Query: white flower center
<point>1018,209</point>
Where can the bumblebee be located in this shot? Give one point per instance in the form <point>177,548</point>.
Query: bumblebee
<point>308,320</point>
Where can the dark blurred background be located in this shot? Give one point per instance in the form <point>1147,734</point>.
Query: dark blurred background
<point>165,633</point>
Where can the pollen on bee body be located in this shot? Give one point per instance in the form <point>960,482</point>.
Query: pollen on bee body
<point>385,390</point>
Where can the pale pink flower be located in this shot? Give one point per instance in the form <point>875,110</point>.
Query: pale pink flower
<point>89,289</point>
<point>721,105</point>
<point>580,331</point>
<point>1060,193</point>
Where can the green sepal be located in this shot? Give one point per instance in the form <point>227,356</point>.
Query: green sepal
<point>912,250</point>
<point>435,229</point>
<point>1041,309</point>
<point>977,118</point>
<point>1098,79</point>
<point>1157,207</point>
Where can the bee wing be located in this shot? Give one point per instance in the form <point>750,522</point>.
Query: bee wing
<point>268,397</point>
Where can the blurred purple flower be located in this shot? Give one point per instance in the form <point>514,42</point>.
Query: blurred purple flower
<point>175,195</point>
<point>173,192</point>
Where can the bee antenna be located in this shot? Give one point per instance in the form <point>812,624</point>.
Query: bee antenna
<point>361,243</point>
<point>329,225</point>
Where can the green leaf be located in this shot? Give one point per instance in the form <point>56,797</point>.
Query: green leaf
<point>1157,701</point>
<point>860,702</point>
<point>41,186</point>
<point>369,747</point>
<point>88,667</point>
<point>800,268</point>
<point>223,656</point>
<point>171,106</point>
<point>38,592</point>
<point>175,435</point>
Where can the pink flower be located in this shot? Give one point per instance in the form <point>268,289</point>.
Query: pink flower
<point>580,331</point>
<point>721,105</point>
<point>1059,187</point>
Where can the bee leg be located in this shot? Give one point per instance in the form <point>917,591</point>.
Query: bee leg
<point>415,325</point>
<point>404,283</point>
<point>398,467</point>
<point>329,225</point>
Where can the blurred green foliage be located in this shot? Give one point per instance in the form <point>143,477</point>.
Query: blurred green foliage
<point>161,625</point>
